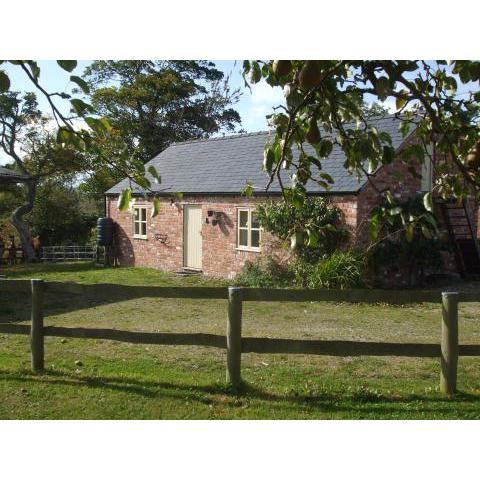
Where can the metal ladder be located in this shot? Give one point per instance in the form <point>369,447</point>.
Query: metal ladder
<point>463,238</point>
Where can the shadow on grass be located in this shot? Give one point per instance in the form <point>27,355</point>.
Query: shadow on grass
<point>360,400</point>
<point>16,308</point>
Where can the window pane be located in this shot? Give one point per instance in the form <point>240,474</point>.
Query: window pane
<point>243,218</point>
<point>255,222</point>
<point>144,214</point>
<point>143,228</point>
<point>256,238</point>
<point>137,214</point>
<point>243,238</point>
<point>136,228</point>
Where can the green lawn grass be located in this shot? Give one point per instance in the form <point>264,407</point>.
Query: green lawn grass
<point>118,380</point>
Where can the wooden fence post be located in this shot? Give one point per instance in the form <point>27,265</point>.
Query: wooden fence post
<point>234,336</point>
<point>449,345</point>
<point>36,329</point>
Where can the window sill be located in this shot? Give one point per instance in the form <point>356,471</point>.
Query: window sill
<point>246,249</point>
<point>137,237</point>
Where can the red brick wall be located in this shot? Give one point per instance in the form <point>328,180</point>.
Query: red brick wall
<point>221,258</point>
<point>395,177</point>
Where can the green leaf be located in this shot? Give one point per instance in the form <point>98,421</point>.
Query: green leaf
<point>409,232</point>
<point>427,202</point>
<point>324,148</point>
<point>404,127</point>
<point>268,159</point>
<point>80,106</point>
<point>178,195</point>
<point>297,198</point>
<point>389,197</point>
<point>373,230</point>
<point>400,102</point>
<point>374,225</point>
<point>294,99</point>
<point>96,124</point>
<point>4,81</point>
<point>248,190</point>
<point>153,172</point>
<point>142,181</point>
<point>64,135</point>
<point>124,199</point>
<point>34,68</point>
<point>67,65</point>
<point>255,72</point>
<point>312,238</point>
<point>81,83</point>
<point>327,177</point>
<point>382,87</point>
<point>426,232</point>
<point>388,154</point>
<point>156,207</point>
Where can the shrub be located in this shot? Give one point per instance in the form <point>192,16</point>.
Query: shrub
<point>415,257</point>
<point>408,244</point>
<point>266,273</point>
<point>339,270</point>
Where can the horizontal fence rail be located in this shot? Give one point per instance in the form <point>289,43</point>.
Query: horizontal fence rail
<point>448,350</point>
<point>393,297</point>
<point>67,252</point>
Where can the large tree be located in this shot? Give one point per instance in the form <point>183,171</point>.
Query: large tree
<point>61,214</point>
<point>25,138</point>
<point>154,103</point>
<point>94,136</point>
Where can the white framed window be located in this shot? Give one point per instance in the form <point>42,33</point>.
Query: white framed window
<point>140,222</point>
<point>248,230</point>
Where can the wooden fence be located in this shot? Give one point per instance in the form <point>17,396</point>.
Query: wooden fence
<point>448,349</point>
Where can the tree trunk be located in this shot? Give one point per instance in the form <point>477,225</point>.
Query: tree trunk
<point>20,225</point>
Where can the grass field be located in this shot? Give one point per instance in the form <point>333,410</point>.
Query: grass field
<point>104,379</point>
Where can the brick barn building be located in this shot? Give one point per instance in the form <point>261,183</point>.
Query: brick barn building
<point>213,228</point>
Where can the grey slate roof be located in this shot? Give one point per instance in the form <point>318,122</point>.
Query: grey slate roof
<point>224,165</point>
<point>10,175</point>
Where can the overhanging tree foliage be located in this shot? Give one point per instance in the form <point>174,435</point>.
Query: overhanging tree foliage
<point>430,98</point>
<point>317,217</point>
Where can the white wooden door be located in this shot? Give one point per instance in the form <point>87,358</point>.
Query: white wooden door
<point>192,228</point>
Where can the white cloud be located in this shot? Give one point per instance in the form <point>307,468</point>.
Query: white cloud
<point>259,103</point>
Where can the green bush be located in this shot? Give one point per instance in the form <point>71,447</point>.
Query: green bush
<point>339,270</point>
<point>266,273</point>
<point>417,257</point>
